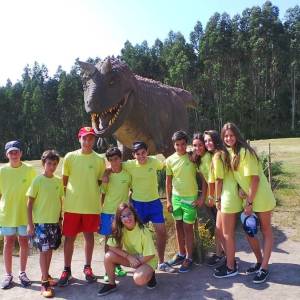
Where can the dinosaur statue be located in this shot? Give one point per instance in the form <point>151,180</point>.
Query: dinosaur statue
<point>131,107</point>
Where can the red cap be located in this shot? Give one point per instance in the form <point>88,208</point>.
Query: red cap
<point>85,131</point>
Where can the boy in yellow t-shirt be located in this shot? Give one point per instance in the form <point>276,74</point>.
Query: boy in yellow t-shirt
<point>15,179</point>
<point>145,198</point>
<point>82,173</point>
<point>114,193</point>
<point>44,216</point>
<point>182,197</point>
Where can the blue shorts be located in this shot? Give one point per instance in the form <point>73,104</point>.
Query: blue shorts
<point>149,211</point>
<point>20,230</point>
<point>47,236</point>
<point>106,223</point>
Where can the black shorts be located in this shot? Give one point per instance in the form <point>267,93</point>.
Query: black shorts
<point>47,236</point>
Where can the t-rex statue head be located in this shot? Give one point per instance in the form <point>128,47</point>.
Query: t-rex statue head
<point>107,88</point>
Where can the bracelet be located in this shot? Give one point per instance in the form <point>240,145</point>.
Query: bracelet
<point>218,199</point>
<point>211,198</point>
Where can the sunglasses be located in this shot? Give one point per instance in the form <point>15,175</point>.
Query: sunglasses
<point>126,216</point>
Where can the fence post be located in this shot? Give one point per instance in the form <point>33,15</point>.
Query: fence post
<point>270,166</point>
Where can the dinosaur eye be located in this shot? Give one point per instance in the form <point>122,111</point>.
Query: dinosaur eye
<point>112,82</point>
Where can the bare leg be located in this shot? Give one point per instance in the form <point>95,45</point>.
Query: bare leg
<point>220,241</point>
<point>142,274</point>
<point>9,242</point>
<point>88,246</point>
<point>180,236</point>
<point>111,259</point>
<point>69,249</point>
<point>49,257</point>
<point>44,264</point>
<point>189,239</point>
<point>161,235</point>
<point>255,246</point>
<point>23,242</point>
<point>266,229</point>
<point>228,222</point>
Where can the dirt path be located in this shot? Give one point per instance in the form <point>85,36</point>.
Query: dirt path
<point>283,283</point>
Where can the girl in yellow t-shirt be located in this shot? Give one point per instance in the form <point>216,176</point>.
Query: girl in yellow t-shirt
<point>227,199</point>
<point>248,172</point>
<point>131,245</point>
<point>203,159</point>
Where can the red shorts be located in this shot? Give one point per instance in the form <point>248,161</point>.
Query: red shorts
<point>75,223</point>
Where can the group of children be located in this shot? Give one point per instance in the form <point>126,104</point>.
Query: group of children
<point>119,200</point>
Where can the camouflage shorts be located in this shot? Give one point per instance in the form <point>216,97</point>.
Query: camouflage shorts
<point>47,237</point>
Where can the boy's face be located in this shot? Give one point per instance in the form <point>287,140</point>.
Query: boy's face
<point>50,166</point>
<point>14,156</point>
<point>87,142</point>
<point>115,161</point>
<point>141,156</point>
<point>180,147</point>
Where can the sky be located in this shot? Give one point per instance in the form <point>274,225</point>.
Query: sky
<point>56,32</point>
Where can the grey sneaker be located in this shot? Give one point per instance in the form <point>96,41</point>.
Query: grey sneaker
<point>165,267</point>
<point>6,282</point>
<point>24,280</point>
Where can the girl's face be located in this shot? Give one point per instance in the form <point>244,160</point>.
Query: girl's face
<point>127,218</point>
<point>199,147</point>
<point>209,144</point>
<point>229,138</point>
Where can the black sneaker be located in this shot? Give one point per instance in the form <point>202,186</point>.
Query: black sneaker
<point>214,260</point>
<point>261,276</point>
<point>226,272</point>
<point>176,260</point>
<point>152,282</point>
<point>253,269</point>
<point>107,289</point>
<point>221,267</point>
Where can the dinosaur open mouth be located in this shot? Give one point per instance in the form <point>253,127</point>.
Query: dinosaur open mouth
<point>102,121</point>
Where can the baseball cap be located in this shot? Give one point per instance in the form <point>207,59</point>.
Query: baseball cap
<point>13,145</point>
<point>86,131</point>
<point>250,223</point>
<point>139,145</point>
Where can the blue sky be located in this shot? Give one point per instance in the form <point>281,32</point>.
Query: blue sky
<point>56,32</point>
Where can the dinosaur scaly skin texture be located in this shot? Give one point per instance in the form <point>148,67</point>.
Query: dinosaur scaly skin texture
<point>133,108</point>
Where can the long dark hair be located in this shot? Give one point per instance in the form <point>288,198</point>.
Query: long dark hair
<point>240,143</point>
<point>220,149</point>
<point>198,136</point>
<point>118,224</point>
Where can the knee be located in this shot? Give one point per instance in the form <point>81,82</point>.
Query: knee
<point>109,256</point>
<point>139,278</point>
<point>9,241</point>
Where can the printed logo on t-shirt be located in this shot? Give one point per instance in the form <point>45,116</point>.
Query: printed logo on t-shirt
<point>24,180</point>
<point>91,166</point>
<point>124,181</point>
<point>150,169</point>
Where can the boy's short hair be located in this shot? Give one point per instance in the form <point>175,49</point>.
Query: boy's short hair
<point>13,145</point>
<point>112,152</point>
<point>51,155</point>
<point>138,145</point>
<point>179,135</point>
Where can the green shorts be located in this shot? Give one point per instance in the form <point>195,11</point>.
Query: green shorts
<point>183,209</point>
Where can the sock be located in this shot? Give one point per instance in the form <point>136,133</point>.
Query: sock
<point>181,255</point>
<point>67,269</point>
<point>87,266</point>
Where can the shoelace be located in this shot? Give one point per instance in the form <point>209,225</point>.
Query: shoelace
<point>88,271</point>
<point>24,277</point>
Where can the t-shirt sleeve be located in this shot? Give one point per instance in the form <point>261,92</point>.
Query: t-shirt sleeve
<point>160,164</point>
<point>33,189</point>
<point>66,166</point>
<point>111,242</point>
<point>61,188</point>
<point>169,171</point>
<point>101,168</point>
<point>103,188</point>
<point>250,162</point>
<point>148,244</point>
<point>218,168</point>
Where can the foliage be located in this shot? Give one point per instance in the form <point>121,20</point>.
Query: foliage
<point>244,69</point>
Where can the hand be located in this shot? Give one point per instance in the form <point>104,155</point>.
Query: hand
<point>30,229</point>
<point>218,205</point>
<point>169,207</point>
<point>133,261</point>
<point>248,210</point>
<point>105,177</point>
<point>198,203</point>
<point>211,202</point>
<point>242,194</point>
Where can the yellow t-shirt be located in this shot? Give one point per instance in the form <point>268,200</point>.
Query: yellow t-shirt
<point>249,166</point>
<point>205,165</point>
<point>84,171</point>
<point>183,172</point>
<point>138,241</point>
<point>230,200</point>
<point>144,178</point>
<point>14,183</point>
<point>116,191</point>
<point>47,193</point>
